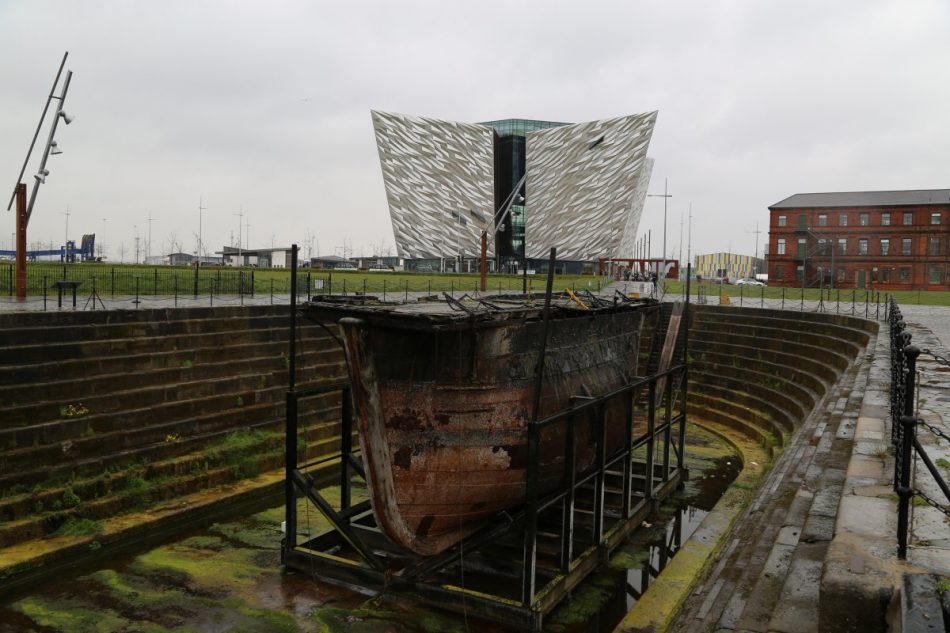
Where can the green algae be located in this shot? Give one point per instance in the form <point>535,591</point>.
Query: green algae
<point>217,571</point>
<point>75,617</point>
<point>587,600</point>
<point>77,526</point>
<point>375,616</point>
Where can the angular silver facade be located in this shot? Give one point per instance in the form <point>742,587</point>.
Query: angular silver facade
<point>581,185</point>
<point>585,189</point>
<point>439,178</point>
<point>628,242</point>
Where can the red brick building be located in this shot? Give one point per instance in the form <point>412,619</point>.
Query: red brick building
<point>887,240</point>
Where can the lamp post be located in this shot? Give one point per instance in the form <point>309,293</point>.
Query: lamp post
<point>665,195</point>
<point>24,208</point>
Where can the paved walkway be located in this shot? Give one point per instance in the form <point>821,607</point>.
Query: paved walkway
<point>816,549</point>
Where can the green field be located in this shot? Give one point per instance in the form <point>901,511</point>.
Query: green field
<point>129,279</point>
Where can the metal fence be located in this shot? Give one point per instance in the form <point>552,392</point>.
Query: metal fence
<point>121,287</point>
<point>869,304</point>
<point>906,423</point>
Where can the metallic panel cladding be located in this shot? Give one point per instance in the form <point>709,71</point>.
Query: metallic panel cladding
<point>581,186</point>
<point>433,169</point>
<point>628,242</point>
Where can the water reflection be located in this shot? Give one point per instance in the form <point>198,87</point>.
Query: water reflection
<point>647,552</point>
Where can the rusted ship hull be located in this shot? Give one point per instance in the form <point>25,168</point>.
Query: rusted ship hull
<point>442,407</point>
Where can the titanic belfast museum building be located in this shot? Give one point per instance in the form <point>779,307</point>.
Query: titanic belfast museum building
<point>531,185</point>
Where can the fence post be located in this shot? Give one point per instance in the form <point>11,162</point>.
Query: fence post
<point>44,293</point>
<point>740,294</point>
<point>176,290</point>
<point>407,290</point>
<point>211,293</point>
<point>272,291</point>
<point>904,489</point>
<point>852,301</point>
<point>136,292</point>
<point>252,285</point>
<point>384,288</point>
<point>10,278</point>
<point>241,286</point>
<point>762,297</point>
<point>783,297</point>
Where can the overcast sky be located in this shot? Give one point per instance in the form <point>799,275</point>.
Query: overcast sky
<point>265,107</point>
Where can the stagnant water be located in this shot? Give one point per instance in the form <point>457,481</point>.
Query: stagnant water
<point>227,578</point>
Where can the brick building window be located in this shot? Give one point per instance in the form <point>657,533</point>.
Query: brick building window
<point>885,219</point>
<point>779,272</point>
<point>905,275</point>
<point>822,246</point>
<point>799,272</point>
<point>801,247</point>
<point>885,246</point>
<point>862,247</point>
<point>780,247</point>
<point>843,246</point>
<point>782,220</point>
<point>905,246</point>
<point>822,219</point>
<point>934,275</point>
<point>933,246</point>
<point>842,274</point>
<point>864,219</point>
<point>935,218</point>
<point>908,218</point>
<point>886,275</point>
<point>843,219</point>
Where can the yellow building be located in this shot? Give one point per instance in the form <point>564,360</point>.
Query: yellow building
<point>729,266</point>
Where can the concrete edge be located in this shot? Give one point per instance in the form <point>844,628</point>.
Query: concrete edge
<point>30,564</point>
<point>862,575</point>
<point>657,608</point>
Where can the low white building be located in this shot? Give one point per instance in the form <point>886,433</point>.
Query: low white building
<point>257,258</point>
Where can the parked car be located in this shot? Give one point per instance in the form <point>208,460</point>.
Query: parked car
<point>345,268</point>
<point>749,282</point>
<point>379,268</point>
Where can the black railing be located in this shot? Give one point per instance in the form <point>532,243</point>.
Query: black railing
<point>905,424</point>
<point>867,303</point>
<point>116,284</point>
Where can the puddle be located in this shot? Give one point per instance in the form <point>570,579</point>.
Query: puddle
<point>227,578</point>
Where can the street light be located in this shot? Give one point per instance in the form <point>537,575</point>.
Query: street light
<point>665,195</point>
